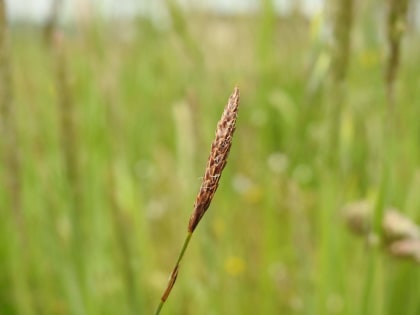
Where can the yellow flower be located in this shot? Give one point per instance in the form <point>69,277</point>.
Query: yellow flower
<point>234,265</point>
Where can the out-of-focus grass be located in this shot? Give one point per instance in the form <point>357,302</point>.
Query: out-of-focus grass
<point>259,250</point>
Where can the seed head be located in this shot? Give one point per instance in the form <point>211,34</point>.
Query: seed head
<point>217,160</point>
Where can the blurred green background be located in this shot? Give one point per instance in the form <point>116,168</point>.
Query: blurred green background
<point>106,125</point>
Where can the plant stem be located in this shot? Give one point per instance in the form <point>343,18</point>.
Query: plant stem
<point>173,275</point>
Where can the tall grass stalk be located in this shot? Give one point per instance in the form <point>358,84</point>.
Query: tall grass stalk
<point>10,157</point>
<point>181,28</point>
<point>121,231</point>
<point>342,18</point>
<point>396,25</point>
<point>186,140</point>
<point>396,19</point>
<point>331,260</point>
<point>265,49</point>
<point>11,193</point>
<point>215,164</point>
<point>69,147</point>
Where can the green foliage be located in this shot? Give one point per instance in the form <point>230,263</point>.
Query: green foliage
<point>274,240</point>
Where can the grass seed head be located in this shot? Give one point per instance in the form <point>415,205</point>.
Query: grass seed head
<point>217,160</point>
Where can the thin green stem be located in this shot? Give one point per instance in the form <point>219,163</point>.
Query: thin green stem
<point>159,307</point>
<point>174,274</point>
<point>184,247</point>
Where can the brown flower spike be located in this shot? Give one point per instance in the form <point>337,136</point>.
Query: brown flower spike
<point>215,165</point>
<point>217,160</point>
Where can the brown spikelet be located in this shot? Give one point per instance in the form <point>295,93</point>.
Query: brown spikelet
<point>217,160</point>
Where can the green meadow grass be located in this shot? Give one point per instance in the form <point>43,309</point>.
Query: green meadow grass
<point>143,103</point>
